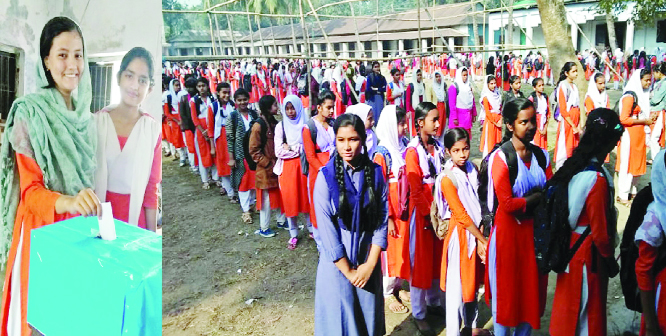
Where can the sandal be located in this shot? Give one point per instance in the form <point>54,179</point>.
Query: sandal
<point>292,243</point>
<point>223,192</point>
<point>206,186</point>
<point>247,218</point>
<point>395,306</point>
<point>233,200</point>
<point>405,296</point>
<point>622,202</point>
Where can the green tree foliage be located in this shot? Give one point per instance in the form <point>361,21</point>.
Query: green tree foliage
<point>645,12</point>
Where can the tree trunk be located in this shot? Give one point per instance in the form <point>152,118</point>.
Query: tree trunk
<point>560,50</point>
<point>509,36</point>
<point>610,22</point>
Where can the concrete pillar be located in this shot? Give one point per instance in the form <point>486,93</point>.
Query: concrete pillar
<point>401,45</point>
<point>424,45</point>
<point>345,49</point>
<point>379,49</point>
<point>315,49</point>
<point>574,36</point>
<point>629,39</point>
<point>451,44</point>
<point>280,50</point>
<point>529,35</point>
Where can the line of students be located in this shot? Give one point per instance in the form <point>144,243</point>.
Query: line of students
<point>413,251</point>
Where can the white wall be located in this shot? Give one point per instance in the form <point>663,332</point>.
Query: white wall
<point>109,28</point>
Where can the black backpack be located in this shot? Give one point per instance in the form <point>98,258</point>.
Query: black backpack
<point>509,151</point>
<point>247,83</point>
<point>616,108</point>
<point>246,142</point>
<point>305,166</point>
<point>528,65</point>
<point>538,65</point>
<point>552,230</point>
<point>629,250</point>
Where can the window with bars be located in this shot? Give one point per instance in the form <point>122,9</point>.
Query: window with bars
<point>8,71</point>
<point>101,78</point>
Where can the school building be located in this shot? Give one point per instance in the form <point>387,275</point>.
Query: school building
<point>443,28</point>
<point>587,15</point>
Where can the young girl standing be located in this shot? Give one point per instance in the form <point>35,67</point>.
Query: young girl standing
<point>632,151</point>
<point>218,112</point>
<point>49,139</point>
<point>596,96</point>
<point>514,90</point>
<point>492,105</point>
<point>293,183</point>
<point>650,239</point>
<point>517,290</point>
<point>262,149</point>
<point>318,150</point>
<point>568,102</point>
<point>242,177</point>
<point>202,141</point>
<point>658,105</point>
<point>129,166</point>
<point>350,198</point>
<point>422,164</point>
<point>461,102</point>
<point>389,155</point>
<point>464,245</point>
<point>579,305</point>
<point>542,106</point>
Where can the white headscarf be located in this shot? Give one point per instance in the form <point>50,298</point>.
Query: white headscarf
<point>465,99</point>
<point>293,127</point>
<point>494,97</point>
<point>387,133</point>
<point>280,73</point>
<point>260,74</point>
<point>316,73</point>
<point>328,75</point>
<point>362,110</point>
<point>174,95</point>
<point>600,99</point>
<point>337,76</point>
<point>634,84</point>
<point>439,88</point>
<point>419,87</point>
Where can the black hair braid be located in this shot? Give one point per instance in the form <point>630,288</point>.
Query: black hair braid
<point>371,213</point>
<point>344,212</point>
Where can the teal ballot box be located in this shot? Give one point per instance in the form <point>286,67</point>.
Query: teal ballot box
<point>80,284</point>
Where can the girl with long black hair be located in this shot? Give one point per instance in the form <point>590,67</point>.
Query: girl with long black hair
<point>351,205</point>
<point>579,309</point>
<point>517,289</point>
<point>422,164</point>
<point>568,130</point>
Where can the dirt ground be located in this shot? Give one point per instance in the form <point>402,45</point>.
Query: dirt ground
<point>222,279</point>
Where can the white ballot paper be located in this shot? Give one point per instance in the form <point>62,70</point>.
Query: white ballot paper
<point>107,228</point>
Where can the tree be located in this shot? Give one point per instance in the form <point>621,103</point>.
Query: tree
<point>560,50</point>
<point>645,11</point>
<point>173,23</point>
